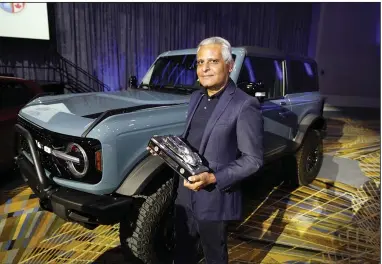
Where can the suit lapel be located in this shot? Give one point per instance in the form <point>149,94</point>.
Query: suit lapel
<point>192,109</point>
<point>218,111</point>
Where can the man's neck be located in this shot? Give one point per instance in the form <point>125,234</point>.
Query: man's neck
<point>211,92</point>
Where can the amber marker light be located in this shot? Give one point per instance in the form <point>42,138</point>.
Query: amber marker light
<point>98,160</point>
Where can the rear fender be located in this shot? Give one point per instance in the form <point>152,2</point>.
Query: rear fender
<point>310,121</point>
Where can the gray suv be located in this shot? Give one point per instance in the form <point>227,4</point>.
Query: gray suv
<point>85,157</point>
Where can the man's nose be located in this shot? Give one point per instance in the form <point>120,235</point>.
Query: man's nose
<point>205,67</point>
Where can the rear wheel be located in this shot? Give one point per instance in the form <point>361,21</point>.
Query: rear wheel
<point>309,157</point>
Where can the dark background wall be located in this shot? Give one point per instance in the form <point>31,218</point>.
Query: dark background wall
<point>348,50</point>
<point>115,40</point>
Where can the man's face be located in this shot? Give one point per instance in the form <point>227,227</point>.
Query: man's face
<point>213,71</point>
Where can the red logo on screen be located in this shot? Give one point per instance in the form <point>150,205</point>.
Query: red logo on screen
<point>12,7</point>
<point>17,7</point>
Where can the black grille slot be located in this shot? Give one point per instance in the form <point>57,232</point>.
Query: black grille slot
<point>56,166</point>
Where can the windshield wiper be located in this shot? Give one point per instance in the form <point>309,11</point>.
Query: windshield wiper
<point>180,87</point>
<point>169,87</point>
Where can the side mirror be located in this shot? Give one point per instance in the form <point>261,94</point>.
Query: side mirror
<point>133,82</point>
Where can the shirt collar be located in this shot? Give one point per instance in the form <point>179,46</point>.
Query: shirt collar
<point>218,94</point>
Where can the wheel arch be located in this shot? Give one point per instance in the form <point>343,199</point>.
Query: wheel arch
<point>310,121</point>
<point>142,174</point>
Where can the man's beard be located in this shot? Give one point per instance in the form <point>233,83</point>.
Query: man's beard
<point>214,87</point>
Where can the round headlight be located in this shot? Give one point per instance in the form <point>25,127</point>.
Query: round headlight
<point>78,170</point>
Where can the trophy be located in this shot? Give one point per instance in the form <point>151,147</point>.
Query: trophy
<point>178,155</point>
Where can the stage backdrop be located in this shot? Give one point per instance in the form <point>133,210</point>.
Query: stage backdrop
<point>116,40</point>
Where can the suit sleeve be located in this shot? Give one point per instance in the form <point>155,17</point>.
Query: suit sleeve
<point>249,131</point>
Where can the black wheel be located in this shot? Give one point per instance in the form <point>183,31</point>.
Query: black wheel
<point>148,237</point>
<point>309,158</point>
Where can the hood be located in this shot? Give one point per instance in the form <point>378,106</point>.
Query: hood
<point>72,114</point>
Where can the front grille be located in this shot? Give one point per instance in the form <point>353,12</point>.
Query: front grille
<point>56,166</point>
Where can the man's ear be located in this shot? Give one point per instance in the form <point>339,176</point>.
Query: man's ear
<point>230,65</point>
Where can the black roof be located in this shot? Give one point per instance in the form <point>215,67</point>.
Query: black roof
<point>256,50</point>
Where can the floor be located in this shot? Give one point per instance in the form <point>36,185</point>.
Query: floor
<point>336,219</point>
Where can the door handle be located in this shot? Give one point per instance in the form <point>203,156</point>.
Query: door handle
<point>282,103</point>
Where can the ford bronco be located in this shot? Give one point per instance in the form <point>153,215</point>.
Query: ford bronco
<point>85,157</point>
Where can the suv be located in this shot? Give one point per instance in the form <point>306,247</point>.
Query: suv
<point>85,157</point>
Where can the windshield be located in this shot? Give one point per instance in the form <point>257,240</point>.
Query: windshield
<point>173,72</point>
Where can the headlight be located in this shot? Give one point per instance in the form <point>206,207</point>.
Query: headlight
<point>78,170</point>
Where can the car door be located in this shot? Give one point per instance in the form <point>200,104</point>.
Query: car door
<point>277,115</point>
<point>302,90</point>
<point>13,96</point>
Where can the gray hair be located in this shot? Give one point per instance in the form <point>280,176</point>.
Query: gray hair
<point>226,47</point>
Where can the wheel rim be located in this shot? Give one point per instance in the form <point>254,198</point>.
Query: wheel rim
<point>312,159</point>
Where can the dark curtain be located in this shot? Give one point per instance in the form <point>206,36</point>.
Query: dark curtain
<point>116,40</point>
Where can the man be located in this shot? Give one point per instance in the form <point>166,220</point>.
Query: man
<point>225,126</point>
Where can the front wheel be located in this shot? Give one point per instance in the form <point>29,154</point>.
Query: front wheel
<point>148,238</point>
<point>309,157</point>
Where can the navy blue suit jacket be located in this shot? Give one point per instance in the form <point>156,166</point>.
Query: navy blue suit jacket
<point>232,144</point>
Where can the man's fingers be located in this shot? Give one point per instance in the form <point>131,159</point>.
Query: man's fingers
<point>199,177</point>
<point>193,186</point>
<point>197,185</point>
<point>189,185</point>
<point>194,178</point>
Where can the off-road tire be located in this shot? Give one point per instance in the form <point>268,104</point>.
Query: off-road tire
<point>138,234</point>
<point>311,144</point>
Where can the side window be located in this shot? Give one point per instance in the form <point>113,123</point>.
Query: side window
<point>266,70</point>
<point>13,94</point>
<point>302,77</point>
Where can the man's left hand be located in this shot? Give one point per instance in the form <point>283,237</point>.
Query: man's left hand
<point>199,181</point>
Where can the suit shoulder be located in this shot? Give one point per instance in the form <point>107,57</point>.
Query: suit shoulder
<point>195,94</point>
<point>241,94</point>
<point>247,99</point>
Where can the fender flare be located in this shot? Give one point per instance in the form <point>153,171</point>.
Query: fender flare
<point>310,121</point>
<point>140,176</point>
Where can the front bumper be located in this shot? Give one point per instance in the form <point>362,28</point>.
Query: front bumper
<point>69,204</point>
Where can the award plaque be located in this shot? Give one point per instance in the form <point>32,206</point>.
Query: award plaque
<point>178,155</point>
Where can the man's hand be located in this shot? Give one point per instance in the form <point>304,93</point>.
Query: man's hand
<point>199,181</point>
